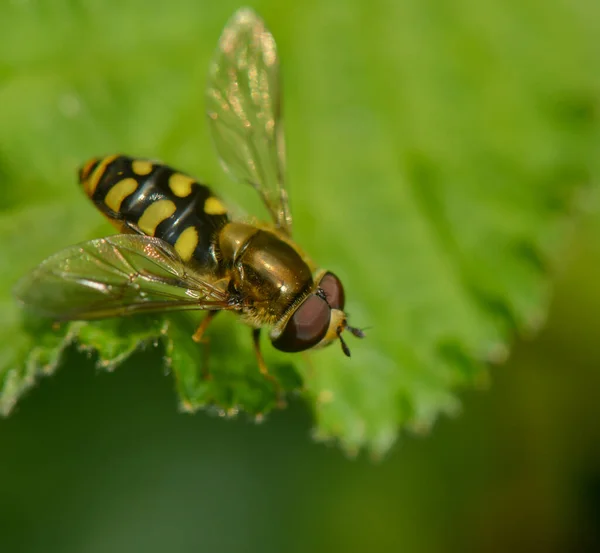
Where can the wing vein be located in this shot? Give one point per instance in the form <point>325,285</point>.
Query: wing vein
<point>244,108</point>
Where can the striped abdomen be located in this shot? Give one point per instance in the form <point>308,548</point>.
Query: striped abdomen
<point>150,198</point>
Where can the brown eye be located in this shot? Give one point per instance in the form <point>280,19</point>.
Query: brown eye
<point>334,291</point>
<point>306,327</point>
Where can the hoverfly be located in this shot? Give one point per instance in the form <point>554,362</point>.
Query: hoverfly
<point>177,248</point>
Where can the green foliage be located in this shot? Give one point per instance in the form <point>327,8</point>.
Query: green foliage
<point>434,154</point>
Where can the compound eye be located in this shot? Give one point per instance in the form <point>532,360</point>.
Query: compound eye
<point>334,291</point>
<point>306,327</point>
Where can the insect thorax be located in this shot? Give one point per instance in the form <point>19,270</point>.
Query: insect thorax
<point>268,273</point>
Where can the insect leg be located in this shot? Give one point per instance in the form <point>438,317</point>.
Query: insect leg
<point>198,337</point>
<point>264,370</point>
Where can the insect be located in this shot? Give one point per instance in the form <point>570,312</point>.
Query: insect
<point>177,247</point>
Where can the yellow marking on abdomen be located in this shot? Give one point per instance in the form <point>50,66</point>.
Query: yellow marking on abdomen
<point>85,170</point>
<point>119,192</point>
<point>186,243</point>
<point>91,183</point>
<point>181,185</point>
<point>213,206</point>
<point>154,215</point>
<point>141,167</point>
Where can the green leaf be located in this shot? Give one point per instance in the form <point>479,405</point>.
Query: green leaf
<point>435,153</point>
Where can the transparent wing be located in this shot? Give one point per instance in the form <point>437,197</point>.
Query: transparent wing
<point>118,275</point>
<point>244,111</point>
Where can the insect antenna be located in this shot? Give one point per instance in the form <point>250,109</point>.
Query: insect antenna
<point>345,347</point>
<point>358,332</point>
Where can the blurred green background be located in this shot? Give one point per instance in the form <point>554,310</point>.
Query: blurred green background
<point>96,462</point>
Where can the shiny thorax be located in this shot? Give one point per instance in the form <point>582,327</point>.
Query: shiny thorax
<point>266,271</point>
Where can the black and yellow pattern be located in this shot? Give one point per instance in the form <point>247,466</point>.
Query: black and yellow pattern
<point>150,198</point>
<point>177,248</point>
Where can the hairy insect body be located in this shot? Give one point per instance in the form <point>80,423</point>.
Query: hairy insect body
<point>144,197</point>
